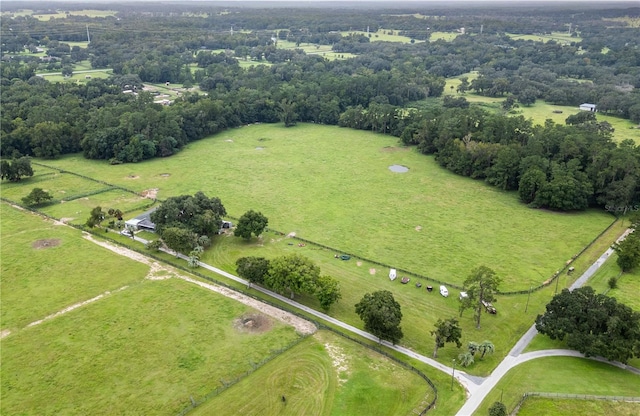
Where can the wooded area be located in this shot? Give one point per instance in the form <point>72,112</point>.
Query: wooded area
<point>383,88</point>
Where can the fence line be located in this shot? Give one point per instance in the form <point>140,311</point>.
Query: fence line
<point>526,395</point>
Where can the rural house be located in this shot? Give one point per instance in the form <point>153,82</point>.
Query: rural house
<point>588,107</point>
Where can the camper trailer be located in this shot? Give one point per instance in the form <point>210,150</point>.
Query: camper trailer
<point>443,291</point>
<point>392,274</point>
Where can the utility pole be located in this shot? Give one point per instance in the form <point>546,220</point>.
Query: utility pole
<point>453,373</point>
<point>88,38</point>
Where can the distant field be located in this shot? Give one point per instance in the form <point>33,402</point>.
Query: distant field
<point>537,406</point>
<point>61,15</point>
<point>324,375</point>
<point>80,78</point>
<point>381,35</point>
<point>567,375</point>
<point>446,36</point>
<point>560,37</point>
<point>143,350</point>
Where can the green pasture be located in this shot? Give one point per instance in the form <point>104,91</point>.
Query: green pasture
<point>78,211</point>
<point>559,37</point>
<point>410,221</point>
<point>628,283</point>
<point>324,375</point>
<point>82,45</point>
<point>78,77</point>
<point>39,281</point>
<point>61,14</point>
<point>380,35</point>
<point>629,21</point>
<point>538,406</point>
<point>568,375</point>
<point>446,36</point>
<point>143,350</point>
<point>60,186</point>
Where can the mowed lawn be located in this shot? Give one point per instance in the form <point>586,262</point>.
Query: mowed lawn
<point>568,375</point>
<point>47,267</point>
<point>333,186</point>
<point>144,350</point>
<point>324,375</point>
<point>538,406</point>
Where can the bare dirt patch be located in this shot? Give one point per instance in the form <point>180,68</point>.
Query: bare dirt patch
<point>418,228</point>
<point>372,271</point>
<point>133,177</point>
<point>64,220</point>
<point>339,360</point>
<point>291,234</point>
<point>150,193</point>
<point>359,263</point>
<point>45,243</point>
<point>4,333</point>
<point>254,323</point>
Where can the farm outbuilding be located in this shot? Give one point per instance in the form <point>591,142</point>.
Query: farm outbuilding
<point>588,107</point>
<point>141,222</point>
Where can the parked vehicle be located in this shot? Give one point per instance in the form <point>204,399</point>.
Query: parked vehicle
<point>489,307</point>
<point>443,291</point>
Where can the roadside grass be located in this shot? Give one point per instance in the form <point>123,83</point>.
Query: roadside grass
<point>58,185</point>
<point>539,406</point>
<point>324,375</point>
<point>143,350</point>
<point>567,375</point>
<point>36,282</point>
<point>628,284</point>
<point>357,205</point>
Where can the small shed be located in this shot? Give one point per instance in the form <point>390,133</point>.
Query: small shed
<point>141,222</point>
<point>588,107</point>
<point>392,274</point>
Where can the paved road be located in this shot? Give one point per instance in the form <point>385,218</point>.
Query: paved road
<point>516,357</point>
<point>477,387</point>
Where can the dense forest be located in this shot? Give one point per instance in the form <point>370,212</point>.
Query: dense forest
<point>379,86</point>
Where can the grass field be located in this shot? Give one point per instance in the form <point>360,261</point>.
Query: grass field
<point>559,37</point>
<point>324,375</point>
<point>446,36</point>
<point>61,14</point>
<point>565,375</point>
<point>38,281</point>
<point>143,350</point>
<point>538,406</point>
<point>381,35</point>
<point>358,205</point>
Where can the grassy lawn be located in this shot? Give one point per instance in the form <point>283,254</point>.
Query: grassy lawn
<point>59,185</point>
<point>39,281</point>
<point>628,283</point>
<point>143,350</point>
<point>358,205</point>
<point>324,375</point>
<point>381,35</point>
<point>559,37</point>
<point>538,406</point>
<point>565,375</point>
<point>446,36</point>
<point>80,78</point>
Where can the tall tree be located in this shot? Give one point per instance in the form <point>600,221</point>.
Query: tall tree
<point>95,217</point>
<point>446,331</point>
<point>381,315</point>
<point>251,222</point>
<point>37,197</point>
<point>594,324</point>
<point>486,347</point>
<point>292,273</point>
<point>481,286</point>
<point>327,291</point>
<point>498,409</point>
<point>253,269</point>
<point>628,251</point>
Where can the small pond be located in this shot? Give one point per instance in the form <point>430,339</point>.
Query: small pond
<point>398,168</point>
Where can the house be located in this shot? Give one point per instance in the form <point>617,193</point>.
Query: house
<point>142,222</point>
<point>588,107</point>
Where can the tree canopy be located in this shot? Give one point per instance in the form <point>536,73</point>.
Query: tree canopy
<point>381,315</point>
<point>253,269</point>
<point>481,286</point>
<point>37,196</point>
<point>251,222</point>
<point>198,213</point>
<point>594,324</point>
<point>447,330</point>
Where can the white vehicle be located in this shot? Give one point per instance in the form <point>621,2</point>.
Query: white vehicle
<point>463,295</point>
<point>392,274</point>
<point>443,291</point>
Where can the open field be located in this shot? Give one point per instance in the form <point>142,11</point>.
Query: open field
<point>628,283</point>
<point>143,350</point>
<point>60,186</point>
<point>310,49</point>
<point>324,375</point>
<point>358,205</point>
<point>566,375</point>
<point>78,77</point>
<point>559,37</point>
<point>61,14</point>
<point>446,36</point>
<point>538,406</point>
<point>381,35</point>
<point>47,267</point>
